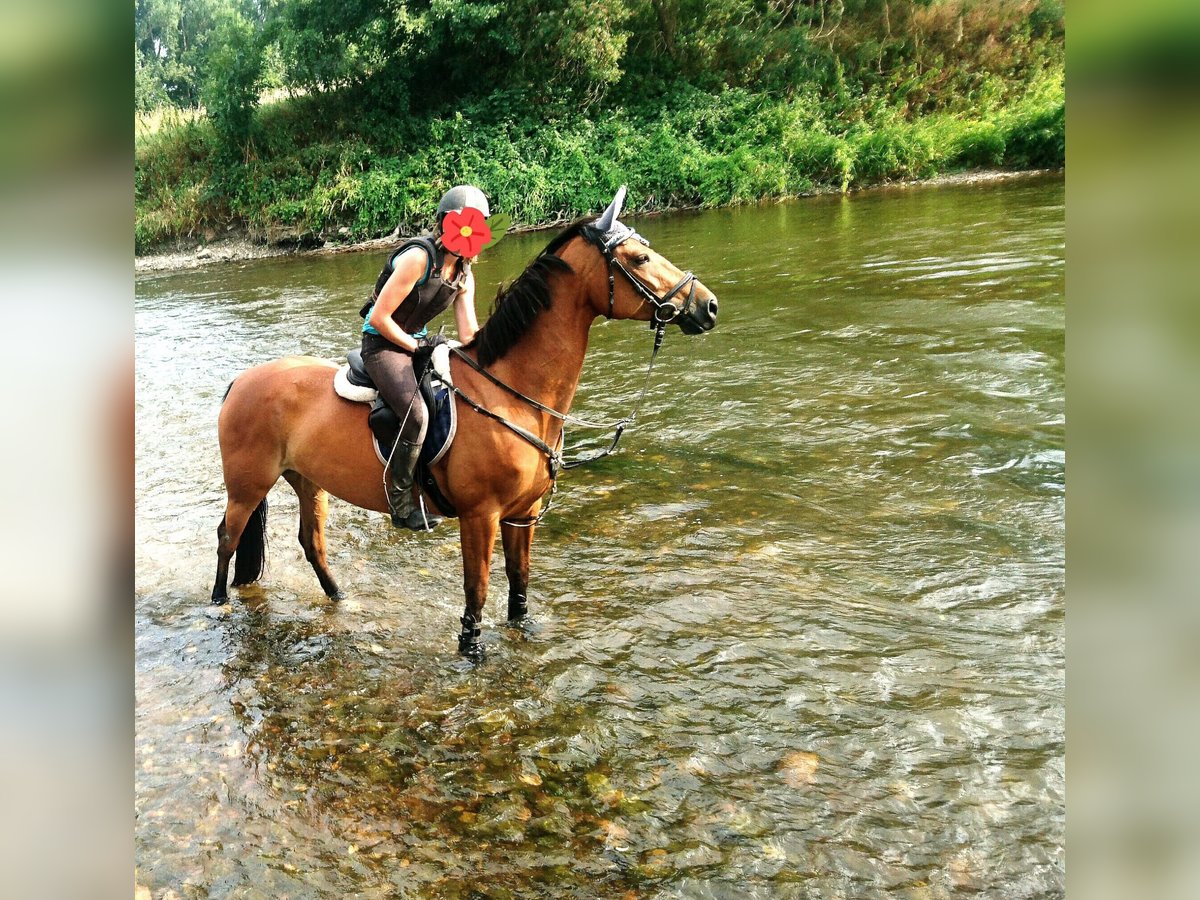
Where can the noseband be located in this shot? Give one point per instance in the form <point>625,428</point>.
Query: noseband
<point>661,304</point>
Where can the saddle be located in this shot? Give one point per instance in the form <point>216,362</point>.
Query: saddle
<point>353,383</point>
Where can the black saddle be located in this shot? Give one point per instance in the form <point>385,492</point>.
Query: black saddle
<point>358,372</point>
<point>385,423</point>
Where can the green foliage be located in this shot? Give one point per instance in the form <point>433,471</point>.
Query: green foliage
<point>327,44</point>
<point>424,54</point>
<point>977,145</point>
<point>1036,137</point>
<point>232,86</point>
<point>172,43</point>
<point>549,105</point>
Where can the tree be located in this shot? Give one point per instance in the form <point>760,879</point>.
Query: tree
<point>233,80</point>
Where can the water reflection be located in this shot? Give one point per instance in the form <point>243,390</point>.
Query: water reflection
<point>802,636</point>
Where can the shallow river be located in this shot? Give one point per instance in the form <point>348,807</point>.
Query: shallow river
<point>802,637</point>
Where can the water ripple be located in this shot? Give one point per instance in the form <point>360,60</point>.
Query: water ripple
<point>802,636</point>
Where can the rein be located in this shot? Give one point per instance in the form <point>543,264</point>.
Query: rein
<point>554,456</point>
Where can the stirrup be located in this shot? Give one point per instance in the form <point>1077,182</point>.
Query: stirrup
<point>418,519</point>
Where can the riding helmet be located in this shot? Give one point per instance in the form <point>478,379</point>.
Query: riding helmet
<point>460,196</point>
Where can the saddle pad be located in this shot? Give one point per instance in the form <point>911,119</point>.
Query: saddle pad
<point>348,390</point>
<point>443,423</point>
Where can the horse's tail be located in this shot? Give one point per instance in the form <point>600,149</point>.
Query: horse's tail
<point>251,556</point>
<point>225,396</point>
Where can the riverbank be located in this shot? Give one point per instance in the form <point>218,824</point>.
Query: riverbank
<point>238,245</point>
<point>301,187</point>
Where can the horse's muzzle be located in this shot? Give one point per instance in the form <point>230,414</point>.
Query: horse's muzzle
<point>698,316</point>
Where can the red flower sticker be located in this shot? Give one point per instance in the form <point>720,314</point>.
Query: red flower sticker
<point>465,232</point>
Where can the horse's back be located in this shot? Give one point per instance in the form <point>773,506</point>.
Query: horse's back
<point>261,395</point>
<point>287,369</point>
<point>284,415</point>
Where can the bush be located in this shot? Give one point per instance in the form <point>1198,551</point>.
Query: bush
<point>896,150</point>
<point>1037,140</point>
<point>304,169</point>
<point>976,145</point>
<point>235,76</point>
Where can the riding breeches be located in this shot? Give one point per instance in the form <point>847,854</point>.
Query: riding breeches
<point>392,371</point>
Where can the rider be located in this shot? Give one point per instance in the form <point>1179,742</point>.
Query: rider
<point>419,281</point>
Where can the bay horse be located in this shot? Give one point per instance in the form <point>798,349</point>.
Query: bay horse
<point>283,418</point>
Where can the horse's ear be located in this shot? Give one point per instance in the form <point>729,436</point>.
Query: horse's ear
<point>606,221</point>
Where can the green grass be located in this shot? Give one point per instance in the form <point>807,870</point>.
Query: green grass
<point>694,149</point>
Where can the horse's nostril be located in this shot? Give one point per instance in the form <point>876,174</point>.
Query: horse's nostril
<point>712,307</point>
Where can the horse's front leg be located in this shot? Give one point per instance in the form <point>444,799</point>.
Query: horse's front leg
<point>517,541</point>
<point>478,536</point>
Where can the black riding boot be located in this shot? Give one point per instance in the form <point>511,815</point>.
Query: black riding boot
<point>405,511</point>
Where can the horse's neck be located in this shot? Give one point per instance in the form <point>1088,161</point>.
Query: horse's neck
<point>547,361</point>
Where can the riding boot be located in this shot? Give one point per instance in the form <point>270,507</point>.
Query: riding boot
<point>405,511</point>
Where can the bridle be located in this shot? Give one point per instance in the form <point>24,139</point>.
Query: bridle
<point>608,247</point>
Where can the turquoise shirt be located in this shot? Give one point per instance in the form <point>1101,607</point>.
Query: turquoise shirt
<point>368,329</point>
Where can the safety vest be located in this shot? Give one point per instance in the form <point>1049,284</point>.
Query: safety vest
<point>431,295</point>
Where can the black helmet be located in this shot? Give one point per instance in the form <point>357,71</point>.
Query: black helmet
<point>460,196</point>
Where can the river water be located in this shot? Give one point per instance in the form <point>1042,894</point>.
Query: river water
<point>802,637</point>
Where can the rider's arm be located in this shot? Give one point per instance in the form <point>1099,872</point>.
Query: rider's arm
<point>408,269</point>
<point>464,310</point>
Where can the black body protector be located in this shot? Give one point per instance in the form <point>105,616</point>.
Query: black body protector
<point>431,295</point>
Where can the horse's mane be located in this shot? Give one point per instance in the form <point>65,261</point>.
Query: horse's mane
<point>518,305</point>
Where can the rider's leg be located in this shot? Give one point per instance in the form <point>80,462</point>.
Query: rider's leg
<point>392,372</point>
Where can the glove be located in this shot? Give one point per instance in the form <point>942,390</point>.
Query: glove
<point>430,341</point>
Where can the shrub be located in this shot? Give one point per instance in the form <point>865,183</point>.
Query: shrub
<point>315,167</point>
<point>235,76</point>
<point>976,144</point>
<point>1037,139</point>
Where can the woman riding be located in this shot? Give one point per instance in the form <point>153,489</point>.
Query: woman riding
<point>419,281</point>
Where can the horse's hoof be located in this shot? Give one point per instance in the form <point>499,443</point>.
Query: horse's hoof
<point>525,623</point>
<point>518,607</point>
<point>336,595</point>
<point>469,643</point>
<point>220,601</point>
<point>472,650</point>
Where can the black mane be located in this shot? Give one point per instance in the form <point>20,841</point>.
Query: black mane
<point>517,306</point>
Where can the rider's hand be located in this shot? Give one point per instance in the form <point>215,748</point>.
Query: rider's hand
<point>431,340</point>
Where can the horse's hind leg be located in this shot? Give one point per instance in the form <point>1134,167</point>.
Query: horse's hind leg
<point>220,591</point>
<point>314,507</point>
<point>249,543</point>
<point>517,541</point>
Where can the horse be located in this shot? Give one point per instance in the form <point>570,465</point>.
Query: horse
<point>518,374</point>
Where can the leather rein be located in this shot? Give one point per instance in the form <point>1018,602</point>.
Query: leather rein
<point>659,322</point>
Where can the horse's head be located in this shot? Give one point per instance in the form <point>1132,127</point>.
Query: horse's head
<point>644,285</point>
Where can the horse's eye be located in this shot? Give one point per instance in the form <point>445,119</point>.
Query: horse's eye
<point>641,260</point>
